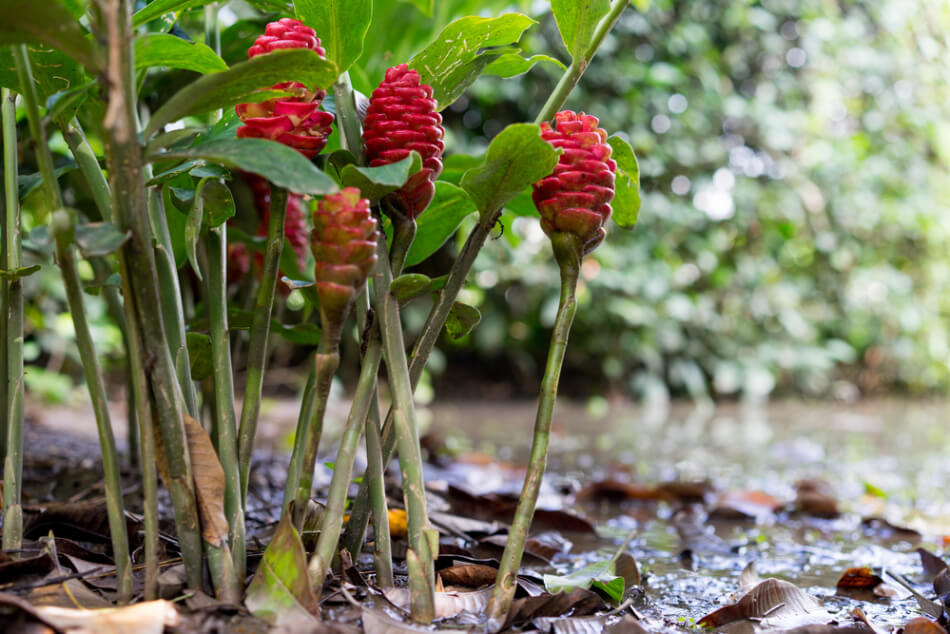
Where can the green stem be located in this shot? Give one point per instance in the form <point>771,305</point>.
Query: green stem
<point>570,78</point>
<point>569,251</point>
<point>347,118</point>
<point>260,328</point>
<point>407,440</point>
<point>326,363</point>
<point>226,425</point>
<point>13,344</point>
<point>307,398</point>
<point>332,518</point>
<point>130,208</point>
<point>63,225</point>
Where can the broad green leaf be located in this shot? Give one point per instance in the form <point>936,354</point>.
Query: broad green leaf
<point>516,158</point>
<point>50,23</point>
<point>281,165</point>
<point>462,318</point>
<point>512,64</point>
<point>626,201</point>
<point>450,206</point>
<point>641,5</point>
<point>576,20</point>
<point>193,234</point>
<point>599,576</point>
<point>23,271</point>
<point>280,591</point>
<point>522,205</point>
<point>463,49</point>
<point>242,83</point>
<point>412,285</point>
<point>158,8</point>
<point>162,49</point>
<point>426,6</point>
<point>199,355</point>
<point>454,166</point>
<point>376,182</point>
<point>216,201</point>
<point>341,25</point>
<point>63,105</point>
<point>99,238</point>
<point>27,183</point>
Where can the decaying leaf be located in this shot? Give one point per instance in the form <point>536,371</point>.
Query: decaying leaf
<point>378,622</point>
<point>756,505</point>
<point>447,604</point>
<point>923,625</point>
<point>931,563</point>
<point>209,483</point>
<point>773,602</point>
<point>151,617</point>
<point>815,497</point>
<point>858,578</point>
<point>468,575</point>
<point>280,592</point>
<point>576,603</point>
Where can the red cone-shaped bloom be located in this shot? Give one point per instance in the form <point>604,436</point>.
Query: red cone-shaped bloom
<point>343,242</point>
<point>576,197</point>
<point>402,116</point>
<point>295,121</point>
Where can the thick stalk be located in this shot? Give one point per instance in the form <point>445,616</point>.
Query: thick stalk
<point>568,251</point>
<point>130,207</point>
<point>347,118</point>
<point>332,518</point>
<point>260,329</point>
<point>359,518</point>
<point>172,309</point>
<point>307,398</point>
<point>407,440</point>
<point>570,78</point>
<point>66,254</point>
<point>216,298</point>
<point>13,343</point>
<point>327,361</point>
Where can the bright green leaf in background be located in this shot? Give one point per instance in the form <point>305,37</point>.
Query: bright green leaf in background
<point>341,26</point>
<point>516,158</point>
<point>159,8</point>
<point>462,51</point>
<point>450,206</point>
<point>626,203</point>
<point>96,239</point>
<point>576,20</point>
<point>513,64</point>
<point>241,83</point>
<point>599,576</point>
<point>281,165</point>
<point>462,318</point>
<point>169,51</point>
<point>48,22</point>
<point>412,285</point>
<point>376,182</point>
<point>425,6</point>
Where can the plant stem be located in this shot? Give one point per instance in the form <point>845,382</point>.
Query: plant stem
<point>307,398</point>
<point>332,518</point>
<point>569,251</point>
<point>130,206</point>
<point>347,118</point>
<point>578,66</point>
<point>63,225</point>
<point>326,363</point>
<point>260,328</point>
<point>407,439</point>
<point>359,518</point>
<point>226,425</point>
<point>13,343</point>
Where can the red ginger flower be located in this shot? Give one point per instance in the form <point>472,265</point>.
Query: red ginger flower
<point>344,246</point>
<point>576,197</point>
<point>402,116</point>
<point>294,121</point>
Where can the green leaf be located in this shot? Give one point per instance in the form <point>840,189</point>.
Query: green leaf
<point>450,206</point>
<point>376,182</point>
<point>577,20</point>
<point>100,238</point>
<point>162,49</point>
<point>159,8</point>
<point>27,183</point>
<point>64,104</point>
<point>216,201</point>
<point>641,5</point>
<point>50,23</point>
<point>462,318</point>
<point>516,158</point>
<point>281,165</point>
<point>412,285</point>
<point>280,591</point>
<point>426,6</point>
<point>341,25</point>
<point>199,355</point>
<point>242,84</point>
<point>23,271</point>
<point>599,576</point>
<point>512,64</point>
<point>462,51</point>
<point>626,201</point>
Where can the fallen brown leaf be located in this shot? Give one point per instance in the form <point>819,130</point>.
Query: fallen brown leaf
<point>858,578</point>
<point>923,625</point>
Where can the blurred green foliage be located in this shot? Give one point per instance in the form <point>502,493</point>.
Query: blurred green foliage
<point>793,158</point>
